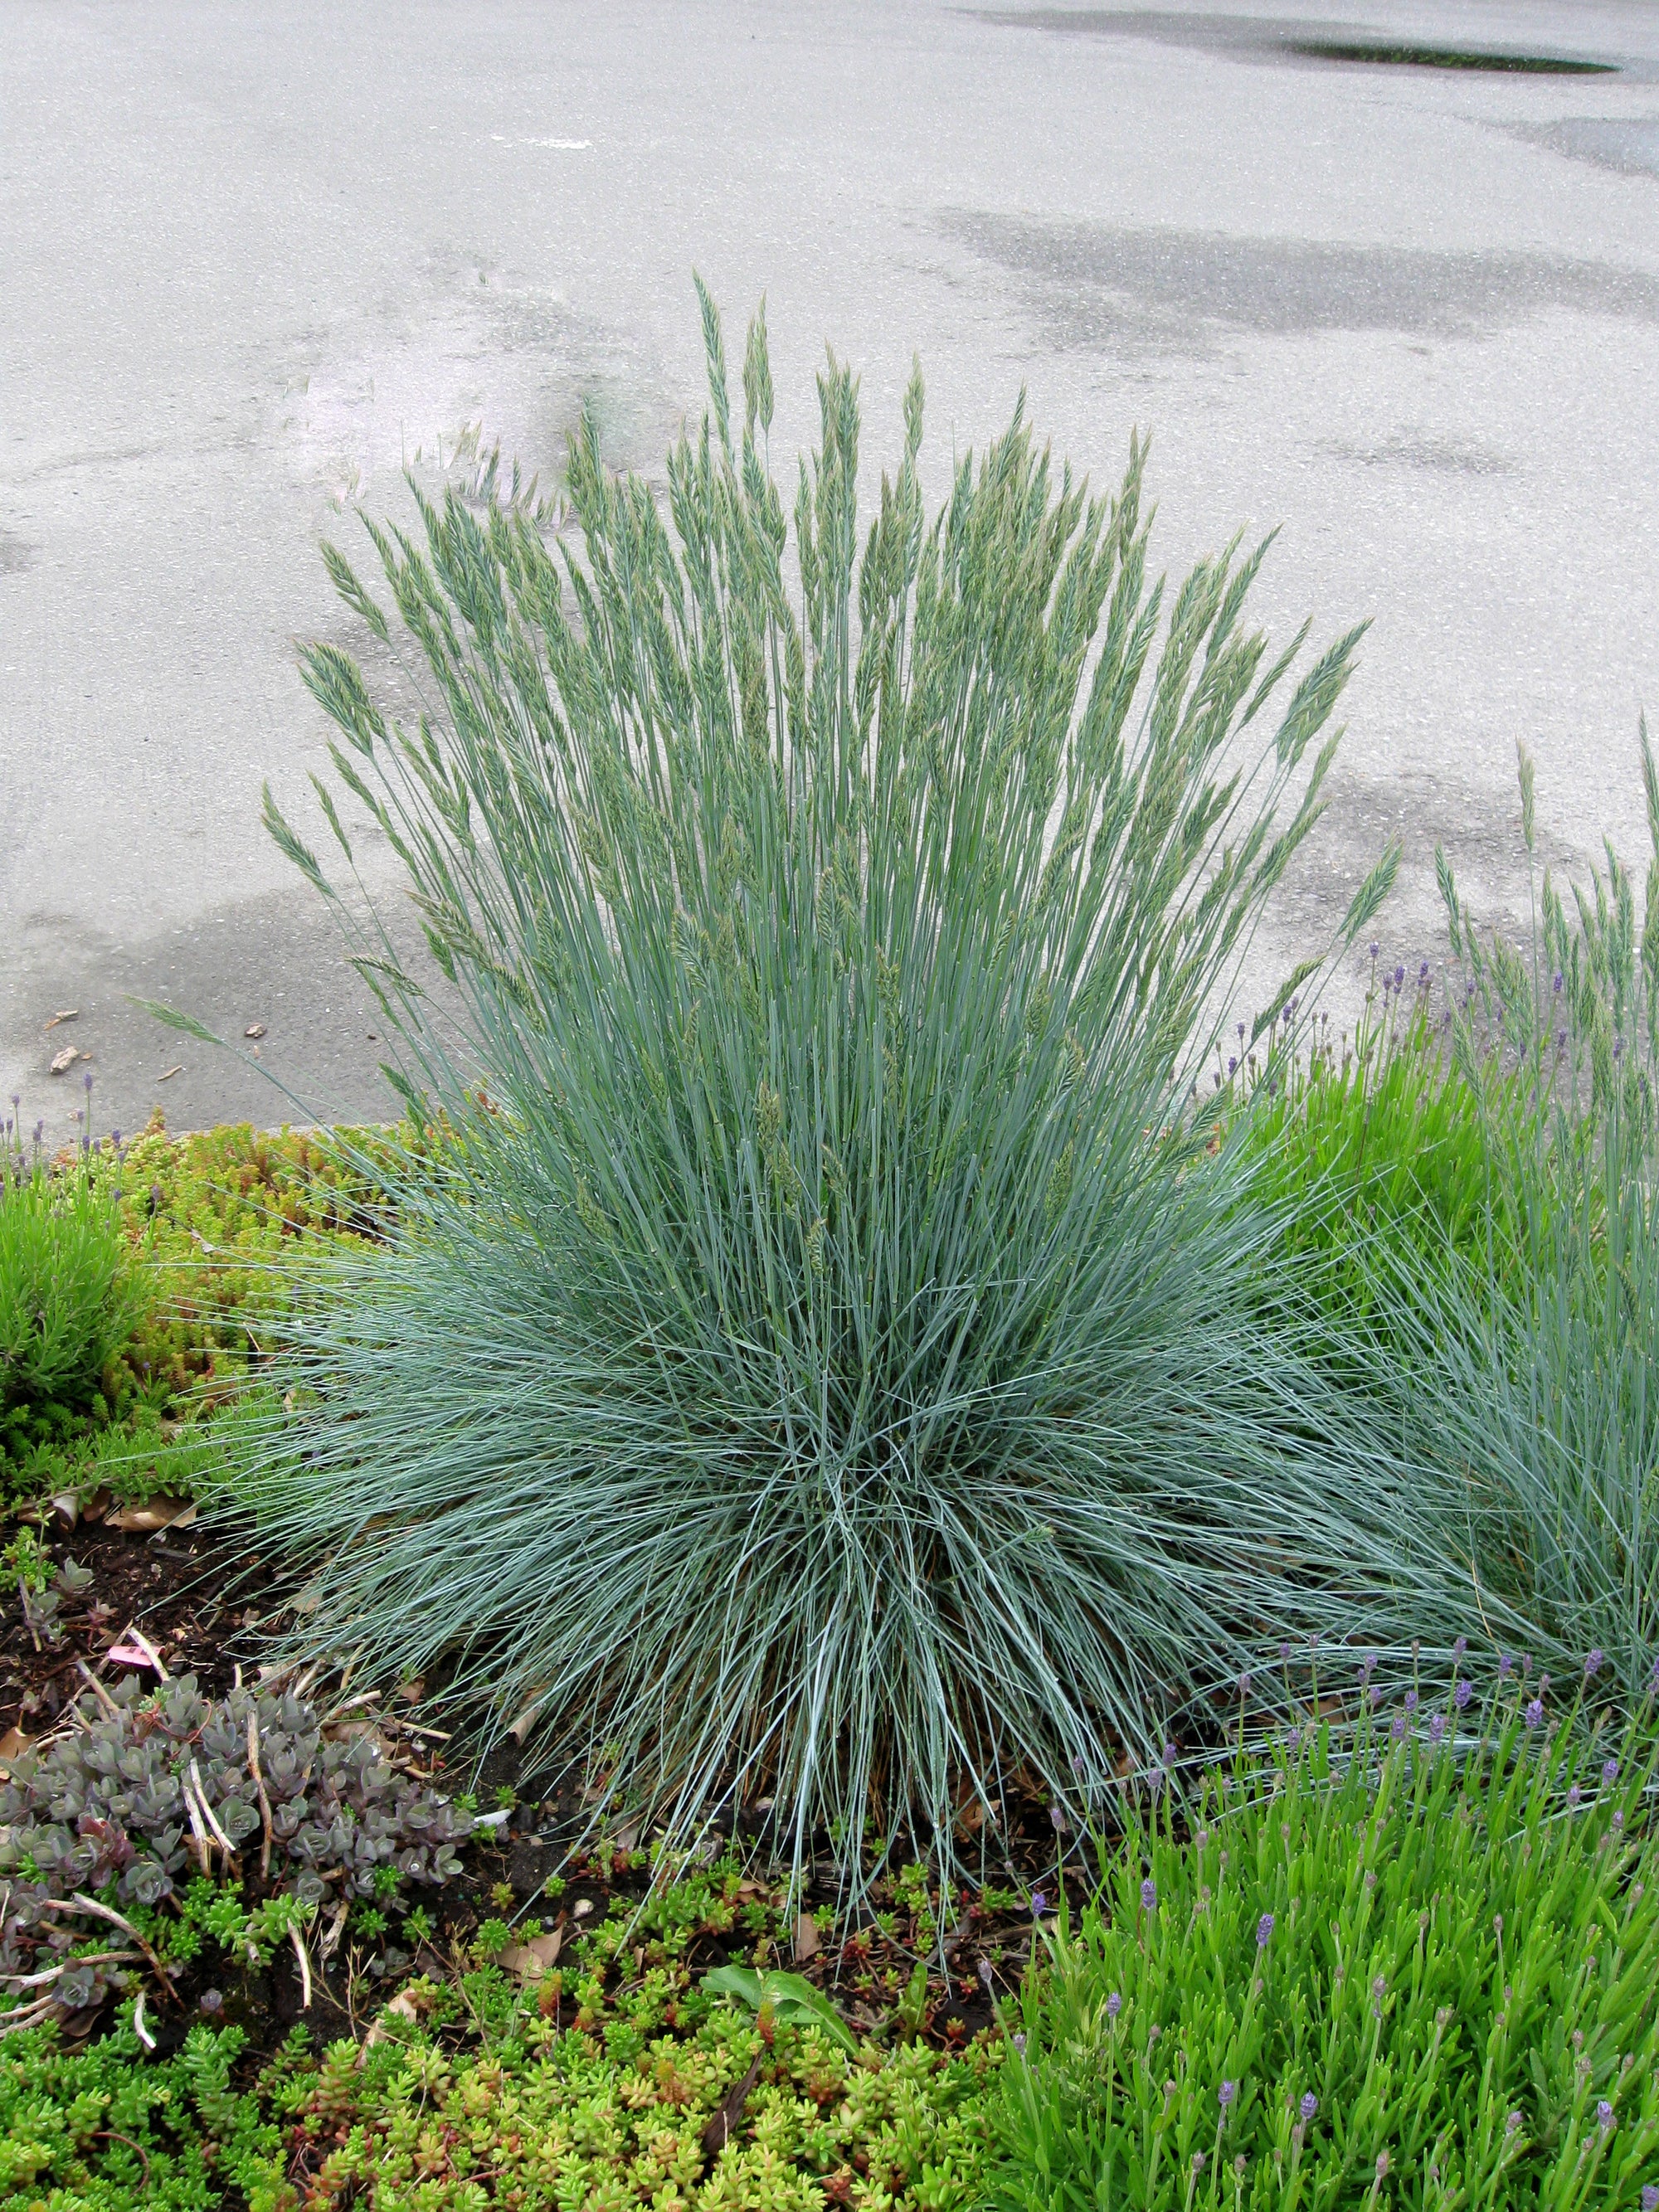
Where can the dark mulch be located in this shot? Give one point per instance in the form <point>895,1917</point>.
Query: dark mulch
<point>207,1612</point>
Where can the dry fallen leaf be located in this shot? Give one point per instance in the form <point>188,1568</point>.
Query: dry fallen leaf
<point>254,1029</point>
<point>806,1938</point>
<point>531,1961</point>
<point>151,1514</point>
<point>66,1503</point>
<point>403,2006</point>
<point>65,1061</point>
<point>68,1014</point>
<point>412,1692</point>
<point>13,1745</point>
<point>95,1507</point>
<point>178,1069</point>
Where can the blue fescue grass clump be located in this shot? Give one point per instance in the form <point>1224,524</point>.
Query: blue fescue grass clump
<point>823,1353</point>
<point>1412,1963</point>
<point>1540,1381</point>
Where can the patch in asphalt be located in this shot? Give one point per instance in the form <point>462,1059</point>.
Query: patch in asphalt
<point>1629,146</point>
<point>1175,291</point>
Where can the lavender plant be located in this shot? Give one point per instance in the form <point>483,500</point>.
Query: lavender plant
<point>144,1792</point>
<point>1412,1964</point>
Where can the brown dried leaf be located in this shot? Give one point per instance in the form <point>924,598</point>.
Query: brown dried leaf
<point>151,1514</point>
<point>13,1745</point>
<point>404,2007</point>
<point>807,1944</point>
<point>531,1961</point>
<point>254,1029</point>
<point>68,1014</point>
<point>65,1061</point>
<point>721,2128</point>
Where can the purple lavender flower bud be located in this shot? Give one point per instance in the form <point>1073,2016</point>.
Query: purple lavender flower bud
<point>1114,2005</point>
<point>1397,1727</point>
<point>1375,949</point>
<point>1512,2125</point>
<point>1308,2105</point>
<point>1245,1680</point>
<point>1609,1773</point>
<point>1534,1713</point>
<point>211,2001</point>
<point>985,1971</point>
<point>1169,1754</point>
<point>1399,978</point>
<point>1604,2115</point>
<point>1462,1693</point>
<point>1293,1742</point>
<point>1592,1662</point>
<point>1226,2092</point>
<point>1149,1895</point>
<point>1505,1666</point>
<point>1574,1794</point>
<point>1437,1727</point>
<point>1618,1821</point>
<point>1460,1644</point>
<point>1411,1701</point>
<point>1264,1928</point>
<point>1650,2199</point>
<point>1374,1696</point>
<point>1368,1666</point>
<point>1018,2042</point>
<point>86,1081</point>
<point>1555,983</point>
<point>1284,1651</point>
<point>1039,1905</point>
<point>1056,1817</point>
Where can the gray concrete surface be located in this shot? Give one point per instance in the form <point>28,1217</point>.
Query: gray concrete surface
<point>256,254</point>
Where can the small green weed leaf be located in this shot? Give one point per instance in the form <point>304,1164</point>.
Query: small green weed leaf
<point>790,1996</point>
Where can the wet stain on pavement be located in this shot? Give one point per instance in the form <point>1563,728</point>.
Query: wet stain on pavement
<point>1172,291</point>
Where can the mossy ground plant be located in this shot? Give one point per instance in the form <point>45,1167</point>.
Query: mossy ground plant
<point>204,1239</point>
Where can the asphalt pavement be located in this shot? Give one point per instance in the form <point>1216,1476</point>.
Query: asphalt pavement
<point>257,259</point>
